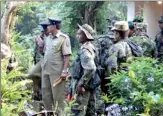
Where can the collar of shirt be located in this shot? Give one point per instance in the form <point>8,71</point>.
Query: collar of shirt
<point>58,34</point>
<point>55,36</point>
<point>83,45</point>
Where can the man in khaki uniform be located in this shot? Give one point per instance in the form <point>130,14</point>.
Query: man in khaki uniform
<point>55,65</point>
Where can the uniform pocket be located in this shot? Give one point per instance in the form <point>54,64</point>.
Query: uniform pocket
<point>56,67</point>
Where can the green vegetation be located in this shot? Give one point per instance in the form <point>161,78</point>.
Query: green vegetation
<point>14,93</point>
<point>141,87</point>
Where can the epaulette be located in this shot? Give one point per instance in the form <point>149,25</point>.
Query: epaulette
<point>64,35</point>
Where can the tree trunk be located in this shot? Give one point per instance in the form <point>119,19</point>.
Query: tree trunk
<point>7,19</point>
<point>90,13</point>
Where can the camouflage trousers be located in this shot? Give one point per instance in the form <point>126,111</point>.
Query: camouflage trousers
<point>85,104</point>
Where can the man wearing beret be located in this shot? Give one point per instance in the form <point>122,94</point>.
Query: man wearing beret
<point>131,29</point>
<point>159,40</point>
<point>55,65</point>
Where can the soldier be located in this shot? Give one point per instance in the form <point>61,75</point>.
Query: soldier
<point>35,73</point>
<point>121,51</point>
<point>131,29</point>
<point>39,47</point>
<point>55,65</point>
<point>82,71</point>
<point>159,40</point>
<point>141,38</point>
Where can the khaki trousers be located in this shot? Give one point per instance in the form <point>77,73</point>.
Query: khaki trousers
<point>53,96</point>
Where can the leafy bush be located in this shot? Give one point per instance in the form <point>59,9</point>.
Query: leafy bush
<point>141,87</point>
<point>14,93</point>
<point>22,47</point>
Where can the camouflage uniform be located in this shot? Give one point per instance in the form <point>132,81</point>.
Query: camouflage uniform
<point>86,55</point>
<point>159,42</point>
<point>147,44</point>
<point>119,52</point>
<point>105,43</point>
<point>37,54</point>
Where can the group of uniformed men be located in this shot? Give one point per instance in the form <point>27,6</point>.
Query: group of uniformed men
<point>53,51</point>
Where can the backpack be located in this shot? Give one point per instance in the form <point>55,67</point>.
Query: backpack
<point>96,80</point>
<point>136,49</point>
<point>77,71</point>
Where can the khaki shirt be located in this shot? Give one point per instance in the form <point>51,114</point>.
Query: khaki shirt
<point>55,48</point>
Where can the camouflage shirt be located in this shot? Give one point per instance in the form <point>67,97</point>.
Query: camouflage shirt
<point>87,57</point>
<point>147,44</point>
<point>83,67</point>
<point>118,53</point>
<point>159,44</point>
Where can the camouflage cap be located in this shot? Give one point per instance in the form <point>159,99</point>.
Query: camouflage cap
<point>141,25</point>
<point>120,26</point>
<point>160,20</point>
<point>88,30</point>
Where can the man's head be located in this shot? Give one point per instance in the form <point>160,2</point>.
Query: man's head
<point>121,30</point>
<point>131,28</point>
<point>85,33</point>
<point>160,22</point>
<point>55,25</point>
<point>141,27</point>
<point>44,25</point>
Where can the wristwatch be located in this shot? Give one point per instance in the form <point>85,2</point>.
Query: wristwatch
<point>65,71</point>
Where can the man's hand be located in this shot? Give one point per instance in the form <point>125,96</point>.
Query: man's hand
<point>81,89</point>
<point>39,41</point>
<point>64,75</point>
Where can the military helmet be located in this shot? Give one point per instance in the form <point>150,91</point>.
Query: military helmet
<point>120,26</point>
<point>88,30</point>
